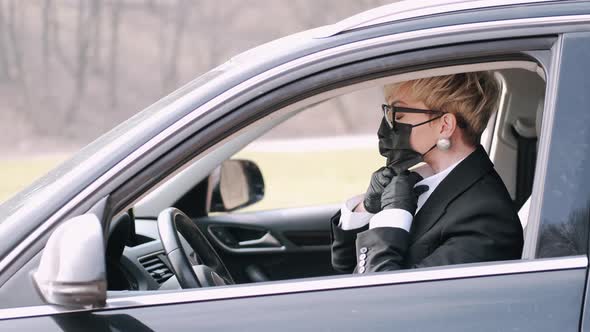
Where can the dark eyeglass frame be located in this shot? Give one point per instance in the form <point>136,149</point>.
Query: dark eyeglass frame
<point>397,109</point>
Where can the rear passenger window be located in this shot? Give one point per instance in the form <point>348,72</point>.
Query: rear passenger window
<point>565,197</point>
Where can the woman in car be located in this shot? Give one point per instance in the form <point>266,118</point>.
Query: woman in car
<point>455,208</point>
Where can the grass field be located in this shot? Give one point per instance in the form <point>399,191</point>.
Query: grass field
<point>292,179</point>
<point>17,173</point>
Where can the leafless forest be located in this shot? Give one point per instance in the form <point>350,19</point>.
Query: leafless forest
<point>71,70</point>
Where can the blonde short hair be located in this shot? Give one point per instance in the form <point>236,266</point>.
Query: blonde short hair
<point>471,97</point>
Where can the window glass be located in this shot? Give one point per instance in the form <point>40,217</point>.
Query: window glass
<point>322,155</point>
<point>566,195</point>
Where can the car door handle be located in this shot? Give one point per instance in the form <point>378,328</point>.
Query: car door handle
<point>266,241</point>
<point>230,239</point>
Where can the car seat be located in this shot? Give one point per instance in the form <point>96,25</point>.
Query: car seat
<point>527,130</point>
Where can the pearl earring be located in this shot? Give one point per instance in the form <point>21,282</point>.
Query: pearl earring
<point>443,144</point>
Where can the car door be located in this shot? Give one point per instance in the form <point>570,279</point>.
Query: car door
<point>276,244</point>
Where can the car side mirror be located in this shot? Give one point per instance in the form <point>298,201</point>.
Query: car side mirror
<point>236,183</point>
<point>72,271</point>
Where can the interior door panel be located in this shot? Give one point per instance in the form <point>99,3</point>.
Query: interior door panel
<point>273,245</point>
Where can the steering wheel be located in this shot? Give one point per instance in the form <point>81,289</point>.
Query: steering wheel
<point>208,269</point>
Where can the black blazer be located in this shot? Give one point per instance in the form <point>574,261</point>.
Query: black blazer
<point>469,217</point>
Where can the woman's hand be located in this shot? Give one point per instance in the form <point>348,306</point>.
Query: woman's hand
<point>379,180</point>
<point>401,194</point>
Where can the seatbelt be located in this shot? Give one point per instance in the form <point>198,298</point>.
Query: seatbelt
<point>526,159</point>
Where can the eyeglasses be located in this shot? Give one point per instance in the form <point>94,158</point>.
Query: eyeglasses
<point>389,112</point>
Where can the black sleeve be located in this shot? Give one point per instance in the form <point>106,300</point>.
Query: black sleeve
<point>384,249</point>
<point>343,246</point>
<point>470,231</point>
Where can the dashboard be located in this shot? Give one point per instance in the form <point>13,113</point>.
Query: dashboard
<point>136,260</point>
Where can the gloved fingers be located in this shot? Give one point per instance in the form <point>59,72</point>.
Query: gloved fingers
<point>415,177</point>
<point>383,180</point>
<point>419,190</point>
<point>388,172</point>
<point>404,173</point>
<point>375,176</point>
<point>383,176</point>
<point>381,169</point>
<point>372,203</point>
<point>411,176</point>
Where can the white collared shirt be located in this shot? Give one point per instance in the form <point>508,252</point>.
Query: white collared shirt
<point>390,217</point>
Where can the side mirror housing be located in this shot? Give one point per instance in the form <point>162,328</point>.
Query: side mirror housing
<point>72,271</point>
<point>235,184</point>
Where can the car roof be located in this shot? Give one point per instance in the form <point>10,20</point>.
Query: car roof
<point>414,9</point>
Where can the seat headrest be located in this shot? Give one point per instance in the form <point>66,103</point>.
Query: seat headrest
<point>525,126</point>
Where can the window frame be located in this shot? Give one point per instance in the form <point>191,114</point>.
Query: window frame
<point>390,278</point>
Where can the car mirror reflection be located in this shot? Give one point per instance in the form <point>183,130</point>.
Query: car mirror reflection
<point>235,184</point>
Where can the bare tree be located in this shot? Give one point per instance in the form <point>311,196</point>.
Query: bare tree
<point>55,40</point>
<point>170,74</point>
<point>116,8</point>
<point>4,65</point>
<point>14,31</point>
<point>96,10</point>
<point>81,64</point>
<point>57,63</point>
<point>45,26</point>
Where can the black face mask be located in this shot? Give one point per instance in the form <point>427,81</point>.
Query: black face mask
<point>394,144</point>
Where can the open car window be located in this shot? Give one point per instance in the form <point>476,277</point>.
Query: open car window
<point>297,160</point>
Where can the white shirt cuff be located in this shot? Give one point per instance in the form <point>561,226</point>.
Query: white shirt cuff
<point>399,218</point>
<point>351,220</point>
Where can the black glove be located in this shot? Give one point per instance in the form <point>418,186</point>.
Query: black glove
<point>401,194</point>
<point>379,180</point>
